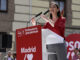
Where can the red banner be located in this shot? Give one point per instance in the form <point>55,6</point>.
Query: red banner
<point>29,43</point>
<point>72,42</point>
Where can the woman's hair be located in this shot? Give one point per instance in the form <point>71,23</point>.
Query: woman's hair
<point>58,13</point>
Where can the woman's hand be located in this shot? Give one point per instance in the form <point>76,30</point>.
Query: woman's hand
<point>44,18</point>
<point>47,20</point>
<point>33,21</point>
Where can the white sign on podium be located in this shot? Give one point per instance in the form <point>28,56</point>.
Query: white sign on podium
<point>49,37</point>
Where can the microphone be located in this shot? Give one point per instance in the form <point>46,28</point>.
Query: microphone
<point>46,12</point>
<point>41,13</point>
<point>38,14</point>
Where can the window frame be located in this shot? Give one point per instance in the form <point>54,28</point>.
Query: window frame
<point>6,7</point>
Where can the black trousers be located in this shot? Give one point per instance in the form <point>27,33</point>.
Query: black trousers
<point>59,49</point>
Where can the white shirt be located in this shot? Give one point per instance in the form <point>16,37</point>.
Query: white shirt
<point>9,58</point>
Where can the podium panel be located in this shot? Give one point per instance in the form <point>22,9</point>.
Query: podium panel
<point>29,43</point>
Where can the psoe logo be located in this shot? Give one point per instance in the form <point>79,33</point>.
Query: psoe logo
<point>28,56</point>
<point>19,33</point>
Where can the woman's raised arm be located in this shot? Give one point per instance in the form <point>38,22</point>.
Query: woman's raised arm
<point>47,20</point>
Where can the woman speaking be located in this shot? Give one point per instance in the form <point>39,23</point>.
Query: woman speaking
<point>56,24</point>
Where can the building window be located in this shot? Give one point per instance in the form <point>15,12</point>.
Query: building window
<point>3,5</point>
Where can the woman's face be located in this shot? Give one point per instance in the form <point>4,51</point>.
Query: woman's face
<point>53,8</point>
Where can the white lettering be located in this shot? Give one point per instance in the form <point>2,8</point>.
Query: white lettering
<point>31,29</point>
<point>72,54</point>
<point>28,50</point>
<point>77,44</point>
<point>68,54</point>
<point>66,44</point>
<point>71,45</point>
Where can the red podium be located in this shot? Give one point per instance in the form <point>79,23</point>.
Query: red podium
<point>29,43</point>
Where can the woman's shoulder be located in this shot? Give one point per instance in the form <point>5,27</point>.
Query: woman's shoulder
<point>63,18</point>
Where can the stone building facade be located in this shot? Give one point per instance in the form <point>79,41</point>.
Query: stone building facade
<point>19,13</point>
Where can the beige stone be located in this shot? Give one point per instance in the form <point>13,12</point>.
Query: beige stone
<point>76,1</point>
<point>38,10</point>
<point>41,3</point>
<point>21,17</point>
<point>18,25</point>
<point>76,22</point>
<point>76,14</point>
<point>21,9</point>
<point>22,2</point>
<point>76,7</point>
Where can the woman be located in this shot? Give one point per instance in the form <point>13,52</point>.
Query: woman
<point>56,24</point>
